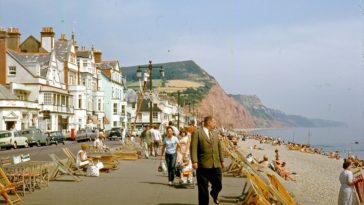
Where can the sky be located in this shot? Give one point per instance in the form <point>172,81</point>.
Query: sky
<point>303,57</point>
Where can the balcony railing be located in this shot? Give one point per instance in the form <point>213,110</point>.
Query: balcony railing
<point>57,108</point>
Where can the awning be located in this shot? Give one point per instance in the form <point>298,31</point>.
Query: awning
<point>106,121</point>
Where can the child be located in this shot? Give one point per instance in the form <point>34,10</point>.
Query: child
<point>186,170</point>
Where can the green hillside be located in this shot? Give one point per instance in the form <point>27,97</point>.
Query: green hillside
<point>183,70</point>
<point>174,70</point>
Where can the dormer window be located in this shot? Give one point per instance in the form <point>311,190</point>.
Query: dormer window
<point>12,70</point>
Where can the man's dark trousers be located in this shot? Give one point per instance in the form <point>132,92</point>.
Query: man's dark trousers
<point>204,176</point>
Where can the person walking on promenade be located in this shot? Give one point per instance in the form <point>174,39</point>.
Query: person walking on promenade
<point>170,146</point>
<point>157,140</point>
<point>347,192</point>
<point>208,161</point>
<point>175,129</point>
<point>145,141</point>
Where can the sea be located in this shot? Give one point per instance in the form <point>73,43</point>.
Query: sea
<point>343,139</point>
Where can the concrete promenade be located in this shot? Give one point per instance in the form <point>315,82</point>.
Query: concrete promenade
<point>135,182</point>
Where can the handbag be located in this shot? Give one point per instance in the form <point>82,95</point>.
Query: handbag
<point>164,167</point>
<point>92,171</point>
<point>99,165</point>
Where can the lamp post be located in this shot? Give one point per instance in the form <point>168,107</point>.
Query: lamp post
<point>178,94</point>
<point>139,75</point>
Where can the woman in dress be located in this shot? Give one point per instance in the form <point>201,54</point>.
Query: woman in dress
<point>82,160</point>
<point>170,145</point>
<point>184,143</point>
<point>347,193</point>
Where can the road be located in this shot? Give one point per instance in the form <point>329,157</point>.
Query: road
<point>41,153</point>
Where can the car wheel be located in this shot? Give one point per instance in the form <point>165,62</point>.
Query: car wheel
<point>15,145</point>
<point>26,145</point>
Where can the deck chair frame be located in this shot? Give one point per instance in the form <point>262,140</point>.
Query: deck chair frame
<point>61,168</point>
<point>6,187</point>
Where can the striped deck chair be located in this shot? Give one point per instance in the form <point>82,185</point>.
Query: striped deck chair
<point>268,190</point>
<point>280,188</point>
<point>254,196</point>
<point>359,187</point>
<point>7,187</point>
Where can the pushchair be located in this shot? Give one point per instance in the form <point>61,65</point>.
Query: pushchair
<point>186,175</point>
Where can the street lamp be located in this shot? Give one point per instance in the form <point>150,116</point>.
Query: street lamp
<point>139,75</point>
<point>178,94</point>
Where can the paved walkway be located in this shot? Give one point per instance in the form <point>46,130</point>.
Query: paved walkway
<point>135,182</point>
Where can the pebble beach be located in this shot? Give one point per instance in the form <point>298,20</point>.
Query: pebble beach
<point>317,175</point>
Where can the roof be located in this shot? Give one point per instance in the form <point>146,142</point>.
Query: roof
<point>145,107</point>
<point>83,54</point>
<point>62,49</point>
<point>104,74</point>
<point>40,58</point>
<point>5,94</point>
<point>107,64</point>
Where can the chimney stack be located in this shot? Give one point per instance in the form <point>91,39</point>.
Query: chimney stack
<point>13,39</point>
<point>3,48</point>
<point>63,37</point>
<point>47,38</point>
<point>97,55</point>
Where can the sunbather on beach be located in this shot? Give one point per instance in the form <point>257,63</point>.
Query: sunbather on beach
<point>264,163</point>
<point>285,173</point>
<point>335,155</point>
<point>277,157</point>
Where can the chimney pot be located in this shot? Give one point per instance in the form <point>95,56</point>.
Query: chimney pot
<point>63,37</point>
<point>13,39</point>
<point>47,38</point>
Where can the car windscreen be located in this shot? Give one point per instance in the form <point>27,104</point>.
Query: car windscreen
<point>4,135</point>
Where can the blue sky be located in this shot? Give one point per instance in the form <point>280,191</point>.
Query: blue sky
<point>303,57</point>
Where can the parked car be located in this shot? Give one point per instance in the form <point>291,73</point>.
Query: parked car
<point>35,137</point>
<point>56,137</point>
<point>12,139</point>
<point>114,134</point>
<point>85,135</point>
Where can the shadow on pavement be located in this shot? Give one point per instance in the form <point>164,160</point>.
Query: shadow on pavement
<point>155,183</point>
<point>174,204</point>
